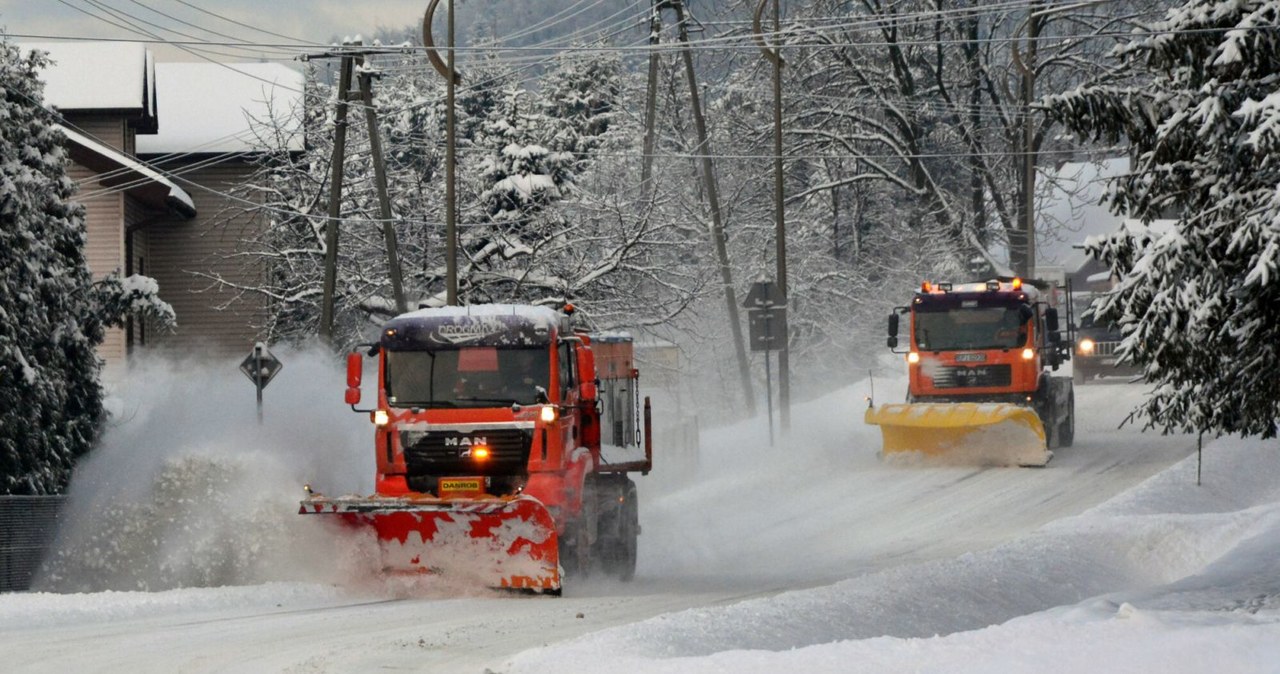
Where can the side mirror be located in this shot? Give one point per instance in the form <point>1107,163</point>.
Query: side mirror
<point>893,329</point>
<point>1051,319</point>
<point>355,371</point>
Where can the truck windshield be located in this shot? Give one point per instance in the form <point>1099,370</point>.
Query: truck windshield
<point>959,329</point>
<point>472,376</point>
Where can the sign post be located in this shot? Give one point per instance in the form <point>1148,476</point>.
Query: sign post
<point>767,319</point>
<point>260,367</point>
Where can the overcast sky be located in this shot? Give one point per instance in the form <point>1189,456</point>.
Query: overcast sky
<point>252,21</point>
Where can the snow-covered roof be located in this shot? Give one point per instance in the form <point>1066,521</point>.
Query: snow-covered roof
<point>98,76</point>
<point>222,107</point>
<point>145,182</point>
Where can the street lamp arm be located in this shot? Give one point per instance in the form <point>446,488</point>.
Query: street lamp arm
<point>430,45</point>
<point>770,53</point>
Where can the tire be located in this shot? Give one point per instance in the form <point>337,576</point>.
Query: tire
<point>1045,409</point>
<point>1067,436</point>
<point>619,529</point>
<point>575,552</point>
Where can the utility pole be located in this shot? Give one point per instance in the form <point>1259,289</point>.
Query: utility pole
<point>651,95</point>
<point>713,200</point>
<point>779,212</point>
<point>335,198</point>
<point>384,200</point>
<point>451,161</point>
<point>450,73</point>
<point>1027,66</point>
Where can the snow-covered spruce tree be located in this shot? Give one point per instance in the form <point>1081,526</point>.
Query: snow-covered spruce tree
<point>1199,303</point>
<point>52,313</point>
<point>50,401</point>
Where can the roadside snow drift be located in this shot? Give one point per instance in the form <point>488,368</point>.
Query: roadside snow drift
<point>1168,577</point>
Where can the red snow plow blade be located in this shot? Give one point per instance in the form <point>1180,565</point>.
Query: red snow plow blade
<point>500,542</point>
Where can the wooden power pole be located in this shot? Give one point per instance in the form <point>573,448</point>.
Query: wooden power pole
<point>335,198</point>
<point>779,211</point>
<point>713,201</point>
<point>384,199</point>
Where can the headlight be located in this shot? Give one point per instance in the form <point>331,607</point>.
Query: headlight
<point>1086,346</point>
<point>913,357</point>
<point>381,418</point>
<point>548,413</point>
<point>1028,354</point>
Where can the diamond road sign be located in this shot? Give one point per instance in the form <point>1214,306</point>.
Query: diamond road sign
<point>764,295</point>
<point>260,366</point>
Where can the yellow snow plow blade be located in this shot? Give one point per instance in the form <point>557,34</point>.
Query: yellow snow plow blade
<point>998,434</point>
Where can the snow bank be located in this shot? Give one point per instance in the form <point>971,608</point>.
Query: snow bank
<point>1167,577</point>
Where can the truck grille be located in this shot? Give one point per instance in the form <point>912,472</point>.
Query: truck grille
<point>959,376</point>
<point>448,452</point>
<point>1105,348</point>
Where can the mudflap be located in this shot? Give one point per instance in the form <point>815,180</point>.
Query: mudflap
<point>989,434</point>
<point>507,543</point>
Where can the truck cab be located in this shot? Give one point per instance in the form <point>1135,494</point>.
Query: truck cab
<point>980,342</point>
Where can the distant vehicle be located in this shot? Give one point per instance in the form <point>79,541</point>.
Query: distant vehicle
<point>979,359</point>
<point>1096,346</point>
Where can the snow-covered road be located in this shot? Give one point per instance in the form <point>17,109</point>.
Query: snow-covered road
<point>747,520</point>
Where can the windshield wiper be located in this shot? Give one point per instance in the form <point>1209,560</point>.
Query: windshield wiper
<point>424,404</point>
<point>506,401</point>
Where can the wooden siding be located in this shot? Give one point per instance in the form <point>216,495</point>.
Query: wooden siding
<point>110,130</point>
<point>213,322</point>
<point>104,244</point>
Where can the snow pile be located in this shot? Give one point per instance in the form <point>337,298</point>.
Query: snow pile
<point>187,489</point>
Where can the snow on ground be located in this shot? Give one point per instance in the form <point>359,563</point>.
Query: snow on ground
<point>1169,577</point>
<point>183,551</point>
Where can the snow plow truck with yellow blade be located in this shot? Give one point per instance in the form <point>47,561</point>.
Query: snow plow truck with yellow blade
<point>503,439</point>
<point>979,357</point>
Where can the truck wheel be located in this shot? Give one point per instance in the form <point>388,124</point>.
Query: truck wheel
<point>619,527</point>
<point>1068,434</point>
<point>1046,409</point>
<point>575,551</point>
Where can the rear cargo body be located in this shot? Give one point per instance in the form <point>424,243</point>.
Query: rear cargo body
<point>488,453</point>
<point>978,383</point>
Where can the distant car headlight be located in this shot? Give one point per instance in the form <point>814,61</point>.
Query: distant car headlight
<point>1086,346</point>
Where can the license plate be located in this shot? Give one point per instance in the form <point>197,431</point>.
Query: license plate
<point>456,485</point>
<point>971,357</point>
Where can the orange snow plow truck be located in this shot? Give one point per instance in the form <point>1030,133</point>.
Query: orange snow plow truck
<point>503,439</point>
<point>979,388</point>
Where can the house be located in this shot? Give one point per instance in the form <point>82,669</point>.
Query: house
<point>157,150</point>
<point>210,117</point>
